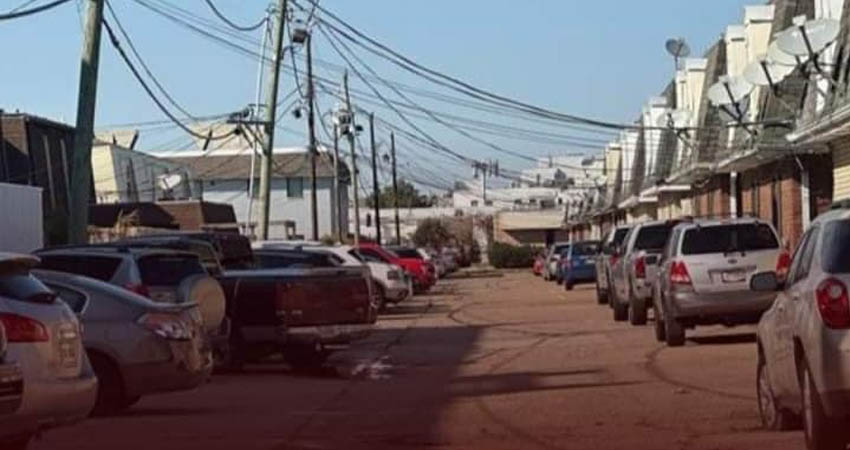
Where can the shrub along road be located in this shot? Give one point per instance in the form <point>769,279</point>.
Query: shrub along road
<point>491,362</point>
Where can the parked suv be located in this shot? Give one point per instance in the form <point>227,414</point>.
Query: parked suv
<point>553,257</point>
<point>635,268</point>
<point>803,365</point>
<point>607,259</point>
<point>578,263</point>
<point>706,272</point>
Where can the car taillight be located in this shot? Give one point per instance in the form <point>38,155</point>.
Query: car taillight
<point>23,329</point>
<point>783,263</point>
<point>140,289</point>
<point>167,326</point>
<point>679,273</point>
<point>833,303</point>
<point>640,268</point>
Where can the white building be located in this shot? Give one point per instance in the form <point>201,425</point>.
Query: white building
<point>122,175</point>
<point>222,176</point>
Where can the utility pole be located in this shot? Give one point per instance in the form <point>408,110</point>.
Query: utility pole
<point>337,217</point>
<point>484,182</point>
<point>375,190</point>
<point>395,190</point>
<point>249,225</point>
<point>269,123</point>
<point>354,184</point>
<point>81,175</point>
<point>311,133</point>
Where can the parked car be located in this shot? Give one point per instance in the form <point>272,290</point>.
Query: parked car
<point>137,347</point>
<point>633,273</point>
<point>803,364</point>
<point>164,275</point>
<point>578,263</point>
<point>415,267</point>
<point>390,282</point>
<point>606,259</point>
<point>44,341</point>
<point>705,275</point>
<point>537,267</point>
<point>232,249</point>
<point>433,258</point>
<point>553,256</point>
<point>410,253</point>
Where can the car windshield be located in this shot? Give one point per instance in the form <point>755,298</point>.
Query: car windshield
<point>294,259</point>
<point>406,252</point>
<point>93,266</point>
<point>652,237</point>
<point>558,249</point>
<point>586,249</point>
<point>564,250</point>
<point>836,247</point>
<point>619,235</point>
<point>728,238</point>
<point>168,270</point>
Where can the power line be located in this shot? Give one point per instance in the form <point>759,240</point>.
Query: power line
<point>29,12</point>
<point>231,23</point>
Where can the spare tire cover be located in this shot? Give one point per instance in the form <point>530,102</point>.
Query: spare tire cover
<point>208,294</point>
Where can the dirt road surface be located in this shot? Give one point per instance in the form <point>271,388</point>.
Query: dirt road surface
<point>508,362</point>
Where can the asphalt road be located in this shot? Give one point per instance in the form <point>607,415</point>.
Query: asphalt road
<point>505,362</point>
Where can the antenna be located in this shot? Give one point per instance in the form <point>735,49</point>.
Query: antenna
<point>678,49</point>
<point>778,57</point>
<point>764,72</point>
<point>809,38</point>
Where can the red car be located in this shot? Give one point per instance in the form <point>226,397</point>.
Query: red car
<point>537,268</point>
<point>421,272</point>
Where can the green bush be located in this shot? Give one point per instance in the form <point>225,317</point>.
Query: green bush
<point>504,256</point>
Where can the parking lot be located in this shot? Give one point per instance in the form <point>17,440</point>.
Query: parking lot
<point>487,361</point>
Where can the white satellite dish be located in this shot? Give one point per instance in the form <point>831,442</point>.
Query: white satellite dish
<point>169,181</point>
<point>809,38</point>
<point>729,90</point>
<point>764,72</point>
<point>777,56</point>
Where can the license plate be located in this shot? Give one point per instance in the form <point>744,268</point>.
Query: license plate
<point>735,276</point>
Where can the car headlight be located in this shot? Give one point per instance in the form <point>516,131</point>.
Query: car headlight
<point>393,275</point>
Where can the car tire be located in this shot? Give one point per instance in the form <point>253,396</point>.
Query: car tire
<point>637,310</point>
<point>773,417</point>
<point>660,330</point>
<point>674,332</point>
<point>621,311</point>
<point>822,432</point>
<point>111,395</point>
<point>568,285</point>
<point>601,296</point>
<point>382,299</point>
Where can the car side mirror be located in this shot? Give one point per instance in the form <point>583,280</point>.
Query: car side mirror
<point>765,282</point>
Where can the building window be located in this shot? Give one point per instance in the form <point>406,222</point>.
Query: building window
<point>295,187</point>
<point>474,203</point>
<point>488,203</point>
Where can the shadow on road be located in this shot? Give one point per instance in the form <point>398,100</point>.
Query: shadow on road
<point>726,339</point>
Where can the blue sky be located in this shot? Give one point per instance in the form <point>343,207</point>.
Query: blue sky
<point>600,59</point>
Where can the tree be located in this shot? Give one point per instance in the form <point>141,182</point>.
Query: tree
<point>408,197</point>
<point>432,233</point>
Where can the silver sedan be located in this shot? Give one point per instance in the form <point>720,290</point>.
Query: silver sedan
<point>136,346</point>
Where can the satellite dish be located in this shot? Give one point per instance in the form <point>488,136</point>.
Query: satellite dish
<point>809,38</point>
<point>778,57</point>
<point>169,181</point>
<point>729,90</point>
<point>678,48</point>
<point>764,72</point>
<point>675,118</point>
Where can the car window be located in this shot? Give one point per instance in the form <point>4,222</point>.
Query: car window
<point>168,270</point>
<point>620,236</point>
<point>586,249</point>
<point>406,252</point>
<point>354,254</point>
<point>93,266</point>
<point>74,299</point>
<point>802,272</point>
<point>669,247</point>
<point>25,287</point>
<point>797,258</point>
<point>835,256</point>
<point>729,238</point>
<point>372,255</point>
<point>293,260</point>
<point>652,237</point>
<point>563,250</point>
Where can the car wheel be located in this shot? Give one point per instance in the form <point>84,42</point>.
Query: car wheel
<point>382,299</point>
<point>660,331</point>
<point>822,433</point>
<point>568,285</point>
<point>601,296</point>
<point>637,310</point>
<point>621,311</point>
<point>674,332</point>
<point>559,279</point>
<point>111,396</point>
<point>773,417</point>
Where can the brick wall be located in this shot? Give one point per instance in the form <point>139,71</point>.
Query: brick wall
<point>712,197</point>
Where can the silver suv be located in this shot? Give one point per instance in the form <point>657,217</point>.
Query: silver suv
<point>634,271</point>
<point>804,364</point>
<point>606,259</point>
<point>705,275</point>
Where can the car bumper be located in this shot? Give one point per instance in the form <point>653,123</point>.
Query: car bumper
<point>720,307</point>
<point>51,403</point>
<point>186,368</point>
<point>579,274</point>
<point>827,354</point>
<point>396,294</point>
<point>330,334</point>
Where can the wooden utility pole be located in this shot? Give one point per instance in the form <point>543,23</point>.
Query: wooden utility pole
<point>395,191</point>
<point>311,133</point>
<point>269,123</point>
<point>337,217</point>
<point>376,192</point>
<point>354,184</point>
<point>81,172</point>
